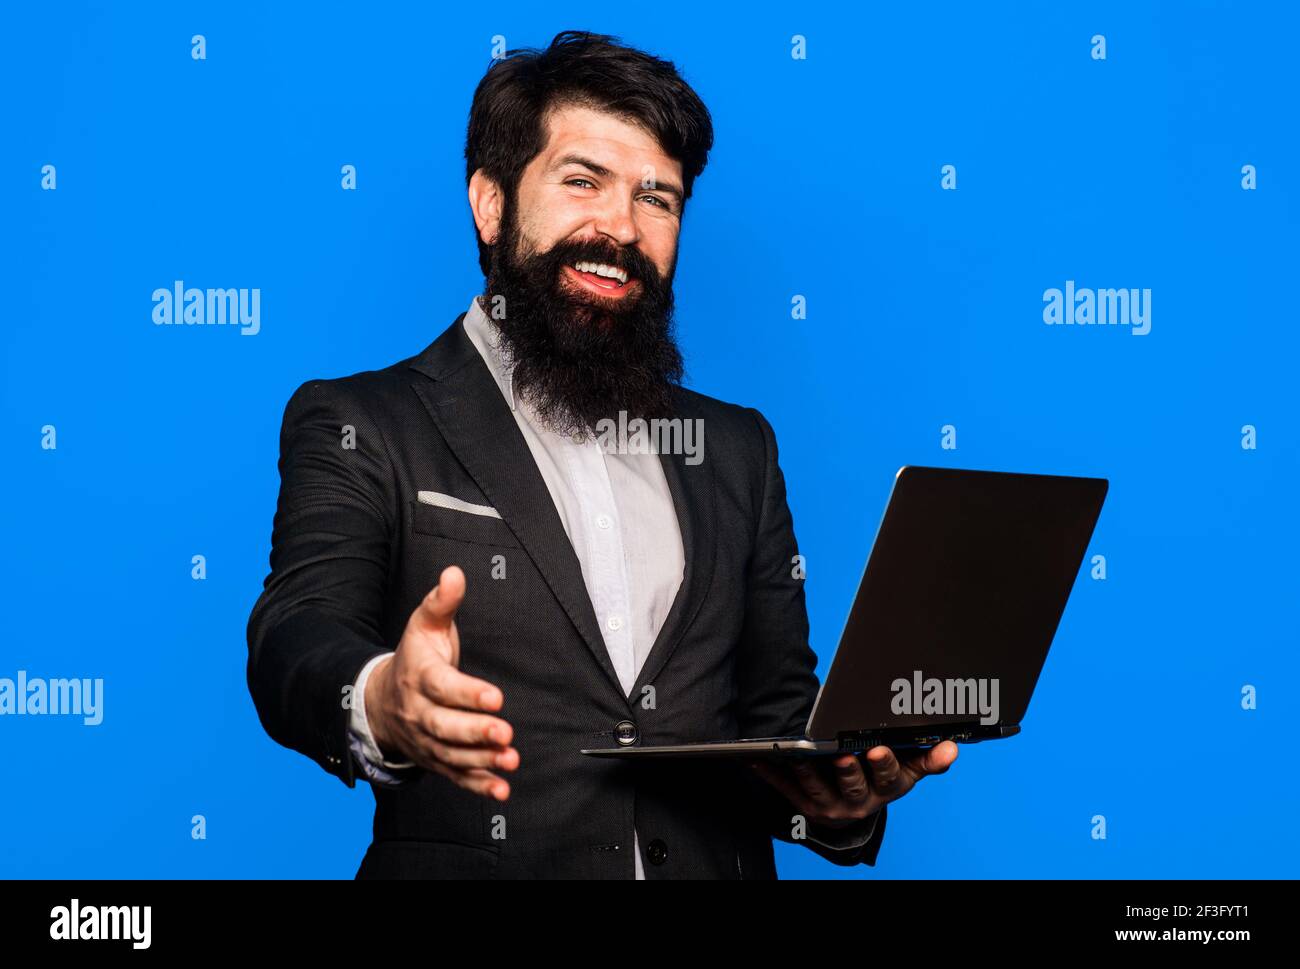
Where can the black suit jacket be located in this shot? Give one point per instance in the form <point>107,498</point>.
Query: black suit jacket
<point>353,552</point>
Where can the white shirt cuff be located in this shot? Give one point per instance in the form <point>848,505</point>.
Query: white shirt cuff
<point>360,726</point>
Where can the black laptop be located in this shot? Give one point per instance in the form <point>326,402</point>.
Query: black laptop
<point>958,604</point>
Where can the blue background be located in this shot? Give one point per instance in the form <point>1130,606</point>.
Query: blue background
<point>924,309</point>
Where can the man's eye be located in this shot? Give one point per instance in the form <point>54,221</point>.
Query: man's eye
<point>656,200</point>
<point>573,180</point>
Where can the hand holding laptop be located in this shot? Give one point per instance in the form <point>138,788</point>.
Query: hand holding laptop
<point>845,792</point>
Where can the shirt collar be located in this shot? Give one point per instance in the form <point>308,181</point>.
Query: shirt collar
<point>486,336</point>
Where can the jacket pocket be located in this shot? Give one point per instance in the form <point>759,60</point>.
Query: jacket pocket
<point>461,526</point>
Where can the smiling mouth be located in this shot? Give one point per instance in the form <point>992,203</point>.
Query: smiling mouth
<point>601,278</point>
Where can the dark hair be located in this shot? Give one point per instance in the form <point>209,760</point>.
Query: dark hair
<point>507,120</point>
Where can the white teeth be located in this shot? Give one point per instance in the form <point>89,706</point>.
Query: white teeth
<point>600,269</point>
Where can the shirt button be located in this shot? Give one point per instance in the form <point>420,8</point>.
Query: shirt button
<point>604,521</point>
<point>625,732</point>
<point>615,623</point>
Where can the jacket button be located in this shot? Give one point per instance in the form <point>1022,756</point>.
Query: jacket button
<point>625,732</point>
<point>657,852</point>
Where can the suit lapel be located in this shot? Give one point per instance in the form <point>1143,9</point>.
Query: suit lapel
<point>467,407</point>
<point>475,421</point>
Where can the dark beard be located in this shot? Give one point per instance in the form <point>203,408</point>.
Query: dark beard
<point>579,359</point>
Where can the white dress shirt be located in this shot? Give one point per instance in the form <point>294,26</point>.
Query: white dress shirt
<point>618,513</point>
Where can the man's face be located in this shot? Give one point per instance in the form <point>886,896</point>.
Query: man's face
<point>583,256</point>
<point>606,188</point>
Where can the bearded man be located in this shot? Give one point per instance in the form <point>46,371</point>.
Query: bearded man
<point>468,585</point>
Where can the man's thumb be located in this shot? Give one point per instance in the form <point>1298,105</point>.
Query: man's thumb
<point>439,607</point>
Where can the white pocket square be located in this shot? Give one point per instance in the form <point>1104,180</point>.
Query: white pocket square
<point>456,504</point>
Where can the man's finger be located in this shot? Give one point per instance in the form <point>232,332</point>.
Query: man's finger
<point>437,609</point>
<point>466,729</point>
<point>458,755</point>
<point>812,782</point>
<point>449,687</point>
<point>852,779</point>
<point>886,774</point>
<point>474,779</point>
<point>936,760</point>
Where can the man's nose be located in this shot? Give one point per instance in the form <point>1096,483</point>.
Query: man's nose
<point>617,220</point>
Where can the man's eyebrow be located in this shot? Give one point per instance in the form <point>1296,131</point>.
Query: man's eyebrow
<point>668,188</point>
